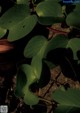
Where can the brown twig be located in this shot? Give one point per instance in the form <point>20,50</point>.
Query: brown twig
<point>57,31</point>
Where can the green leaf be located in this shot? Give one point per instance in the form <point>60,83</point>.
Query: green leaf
<point>22,1</point>
<point>74,45</point>
<point>73,19</point>
<point>36,46</point>
<point>47,9</point>
<point>67,109</point>
<point>59,41</point>
<point>37,65</point>
<point>29,97</point>
<point>26,77</point>
<point>69,101</point>
<point>14,15</point>
<point>29,72</point>
<point>2,32</point>
<point>49,20</point>
<point>20,83</point>
<point>22,28</point>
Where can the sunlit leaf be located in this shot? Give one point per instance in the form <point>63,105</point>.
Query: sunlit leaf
<point>36,46</point>
<point>74,45</point>
<point>69,101</point>
<point>2,32</point>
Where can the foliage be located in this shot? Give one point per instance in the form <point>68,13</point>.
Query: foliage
<point>19,21</point>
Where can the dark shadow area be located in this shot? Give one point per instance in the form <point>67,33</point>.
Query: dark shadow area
<point>64,57</point>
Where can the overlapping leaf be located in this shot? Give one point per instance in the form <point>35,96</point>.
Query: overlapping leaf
<point>69,101</point>
<point>18,21</point>
<point>47,9</point>
<point>59,41</point>
<point>41,46</point>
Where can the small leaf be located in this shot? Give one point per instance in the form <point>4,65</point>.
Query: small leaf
<point>36,46</point>
<point>2,32</point>
<point>74,45</point>
<point>59,41</point>
<point>22,28</point>
<point>69,101</point>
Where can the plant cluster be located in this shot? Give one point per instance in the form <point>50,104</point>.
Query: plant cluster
<point>63,48</point>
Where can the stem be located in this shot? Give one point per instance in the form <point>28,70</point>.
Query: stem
<point>47,101</point>
<point>57,31</point>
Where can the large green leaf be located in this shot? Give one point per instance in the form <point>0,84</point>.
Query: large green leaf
<point>49,9</point>
<point>36,46</point>
<point>73,19</point>
<point>18,21</point>
<point>69,100</point>
<point>74,45</point>
<point>22,28</point>
<point>59,41</point>
<point>14,15</point>
<point>2,32</point>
